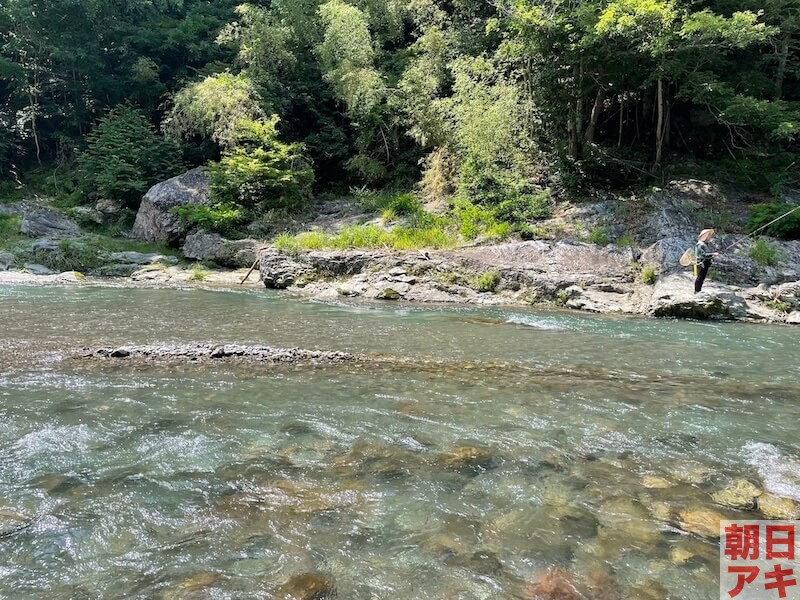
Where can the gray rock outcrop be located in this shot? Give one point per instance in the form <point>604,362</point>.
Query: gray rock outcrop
<point>7,261</point>
<point>155,221</point>
<point>674,297</point>
<point>203,245</point>
<point>47,223</point>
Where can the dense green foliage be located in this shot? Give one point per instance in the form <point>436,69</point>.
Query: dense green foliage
<point>487,103</point>
<point>787,228</point>
<point>125,156</point>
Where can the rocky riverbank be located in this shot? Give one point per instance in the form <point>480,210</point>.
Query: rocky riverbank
<point>638,274</point>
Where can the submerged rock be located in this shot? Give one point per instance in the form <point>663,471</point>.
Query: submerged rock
<point>701,521</point>
<point>553,584</point>
<point>191,587</point>
<point>11,522</point>
<point>469,459</point>
<point>307,586</point>
<point>739,494</point>
<point>775,507</point>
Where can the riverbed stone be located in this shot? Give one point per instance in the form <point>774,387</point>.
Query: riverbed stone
<point>155,221</point>
<point>553,584</point>
<point>775,507</point>
<point>738,494</point>
<point>313,585</point>
<point>191,587</point>
<point>701,521</point>
<point>12,522</point>
<point>469,459</point>
<point>653,482</point>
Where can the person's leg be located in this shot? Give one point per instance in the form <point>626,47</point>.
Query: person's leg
<point>701,275</point>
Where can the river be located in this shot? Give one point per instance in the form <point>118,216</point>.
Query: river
<point>509,441</point>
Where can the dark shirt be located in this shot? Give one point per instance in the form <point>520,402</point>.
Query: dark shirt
<point>702,252</point>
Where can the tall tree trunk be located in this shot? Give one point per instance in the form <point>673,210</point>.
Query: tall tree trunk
<point>621,121</point>
<point>783,58</point>
<point>597,110</point>
<point>575,116</point>
<point>659,123</point>
<point>32,102</point>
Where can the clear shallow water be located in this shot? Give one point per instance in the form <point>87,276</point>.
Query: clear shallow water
<point>513,441</point>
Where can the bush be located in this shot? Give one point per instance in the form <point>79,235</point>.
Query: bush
<point>261,172</point>
<point>764,253</point>
<point>223,218</point>
<point>599,236</point>
<point>405,204</point>
<point>787,228</point>
<point>524,208</point>
<point>649,275</point>
<point>125,156</point>
<point>472,220</point>
<point>487,282</point>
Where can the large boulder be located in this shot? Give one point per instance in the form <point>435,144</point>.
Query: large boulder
<point>202,245</point>
<point>673,297</point>
<point>42,222</point>
<point>279,271</point>
<point>155,221</point>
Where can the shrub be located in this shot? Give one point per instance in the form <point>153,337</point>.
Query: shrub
<point>405,204</point>
<point>223,217</point>
<point>649,275</point>
<point>472,220</point>
<point>524,208</point>
<point>599,236</point>
<point>787,228</point>
<point>198,273</point>
<point>125,156</point>
<point>487,282</point>
<point>764,253</point>
<point>779,305</point>
<point>260,171</point>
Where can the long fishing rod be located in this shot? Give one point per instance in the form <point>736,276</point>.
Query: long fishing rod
<point>786,214</point>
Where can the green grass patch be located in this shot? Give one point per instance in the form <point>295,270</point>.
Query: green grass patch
<point>779,305</point>
<point>369,237</point>
<point>486,282</point>
<point>198,273</point>
<point>648,275</point>
<point>599,236</point>
<point>764,253</point>
<point>9,231</point>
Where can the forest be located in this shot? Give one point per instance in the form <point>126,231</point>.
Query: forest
<point>502,105</point>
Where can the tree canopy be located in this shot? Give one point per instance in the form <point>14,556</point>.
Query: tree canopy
<point>517,95</point>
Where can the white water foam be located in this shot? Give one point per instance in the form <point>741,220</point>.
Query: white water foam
<point>535,323</point>
<point>779,472</point>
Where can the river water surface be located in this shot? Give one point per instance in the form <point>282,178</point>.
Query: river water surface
<point>513,441</point>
